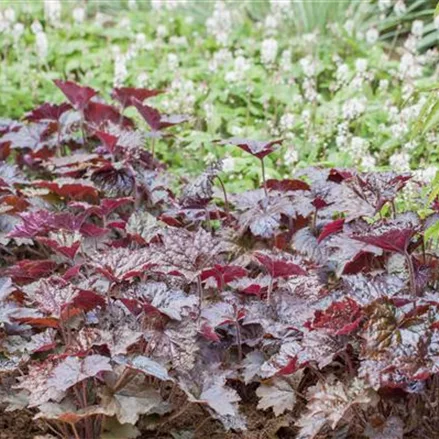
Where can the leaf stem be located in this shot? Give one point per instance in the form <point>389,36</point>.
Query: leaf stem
<point>412,275</point>
<point>238,340</point>
<point>270,289</point>
<point>153,148</point>
<point>75,431</point>
<point>263,177</point>
<point>226,200</point>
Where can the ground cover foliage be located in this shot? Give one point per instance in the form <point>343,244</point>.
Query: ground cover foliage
<point>343,84</point>
<point>128,295</point>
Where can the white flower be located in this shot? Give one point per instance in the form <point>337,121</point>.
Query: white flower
<point>220,58</point>
<point>220,23</point>
<point>425,175</point>
<point>166,4</point>
<point>383,84</point>
<point>361,65</point>
<point>78,15</point>
<point>400,161</point>
<point>384,4</point>
<point>353,108</point>
<point>173,61</point>
<point>270,24</point>
<point>400,8</point>
<point>140,39</point>
<point>132,4</point>
<point>280,6</point>
<point>285,61</point>
<point>236,130</point>
<point>409,67</point>
<point>52,12</point>
<point>36,27</point>
<point>418,28</point>
<point>231,76</point>
<point>308,66</point>
<point>342,73</point>
<point>287,122</point>
<point>42,45</point>
<point>142,79</point>
<point>9,15</point>
<point>120,68</point>
<point>17,31</point>
<point>269,51</point>
<point>368,162</point>
<point>291,156</point>
<point>229,164</point>
<point>372,35</point>
<point>125,22</point>
<point>162,31</point>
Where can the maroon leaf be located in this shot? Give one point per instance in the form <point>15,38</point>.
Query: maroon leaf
<point>70,188</point>
<point>108,140</point>
<point>78,95</point>
<point>287,185</point>
<point>223,274</point>
<point>29,270</point>
<point>256,148</point>
<point>155,119</point>
<point>277,267</point>
<point>98,115</point>
<point>48,111</point>
<point>331,228</point>
<point>340,318</point>
<point>392,236</point>
<point>125,95</point>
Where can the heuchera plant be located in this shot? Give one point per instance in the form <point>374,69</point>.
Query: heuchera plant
<point>122,299</point>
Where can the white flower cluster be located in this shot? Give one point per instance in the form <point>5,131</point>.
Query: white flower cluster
<point>286,122</point>
<point>281,8</point>
<point>269,50</point>
<point>372,35</point>
<point>79,15</point>
<point>285,63</point>
<point>120,67</point>
<point>400,161</point>
<point>241,65</point>
<point>219,59</point>
<point>41,41</point>
<point>309,67</point>
<point>219,25</point>
<point>353,108</point>
<point>52,12</point>
<point>168,5</point>
<point>7,19</point>
<point>291,156</point>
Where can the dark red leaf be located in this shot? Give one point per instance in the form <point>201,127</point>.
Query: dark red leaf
<point>155,119</point>
<point>223,274</point>
<point>30,270</point>
<point>257,148</point>
<point>287,185</point>
<point>48,112</point>
<point>99,115</point>
<point>330,229</point>
<point>279,267</point>
<point>125,95</point>
<point>340,318</point>
<point>78,95</point>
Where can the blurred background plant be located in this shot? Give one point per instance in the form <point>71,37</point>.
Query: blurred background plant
<point>343,82</point>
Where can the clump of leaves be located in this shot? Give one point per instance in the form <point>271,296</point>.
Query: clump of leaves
<point>116,287</point>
